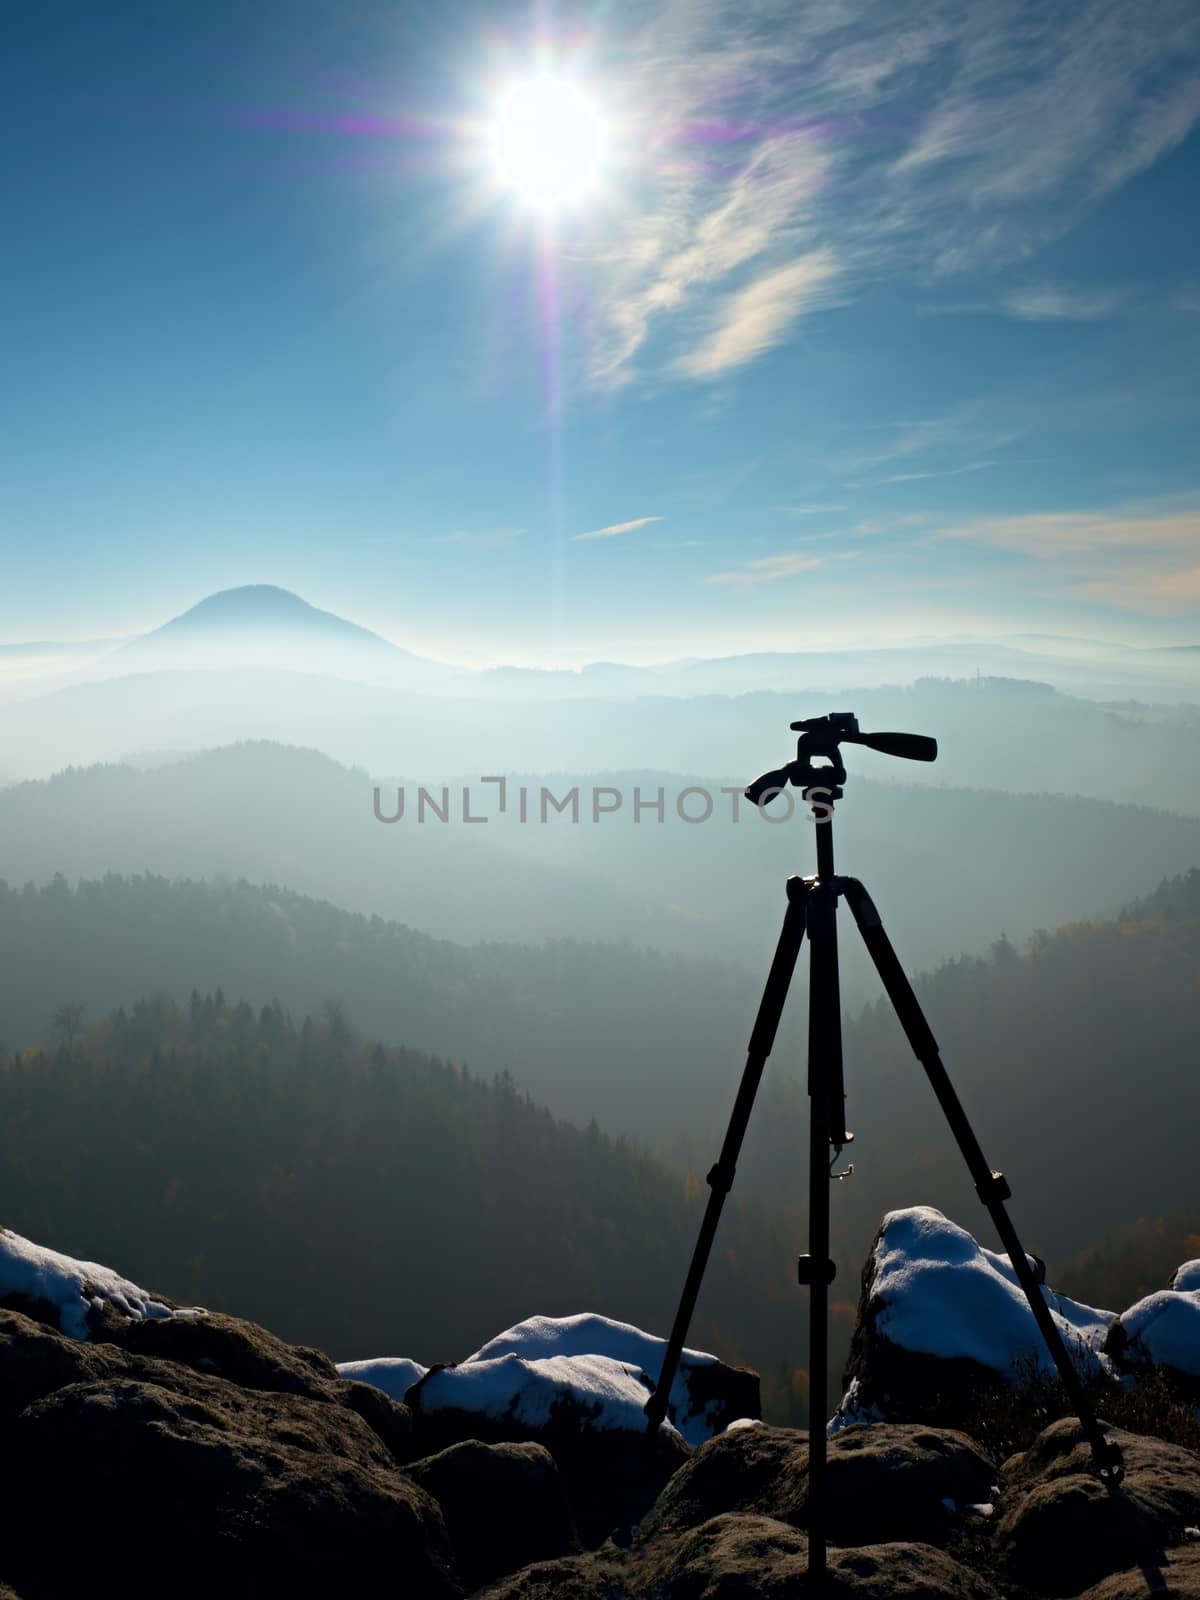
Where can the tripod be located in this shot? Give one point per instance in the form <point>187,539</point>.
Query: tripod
<point>811,908</point>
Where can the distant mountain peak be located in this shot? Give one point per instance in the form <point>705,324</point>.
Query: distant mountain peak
<point>258,616</point>
<point>263,606</point>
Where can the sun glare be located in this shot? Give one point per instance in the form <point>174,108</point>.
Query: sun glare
<point>548,142</point>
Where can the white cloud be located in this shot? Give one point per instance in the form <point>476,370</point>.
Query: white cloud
<point>1127,557</point>
<point>482,536</point>
<point>916,137</point>
<point>768,569</point>
<point>1074,533</point>
<point>1049,302</point>
<point>1038,302</point>
<point>908,438</point>
<point>942,472</point>
<point>615,529</point>
<point>756,318</point>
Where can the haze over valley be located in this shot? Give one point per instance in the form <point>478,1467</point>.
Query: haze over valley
<point>609,961</point>
<point>444,452</point>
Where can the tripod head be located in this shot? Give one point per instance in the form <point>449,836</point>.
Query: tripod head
<point>819,738</point>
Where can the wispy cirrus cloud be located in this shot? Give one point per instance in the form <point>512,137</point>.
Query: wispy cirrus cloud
<point>614,530</point>
<point>479,536</point>
<point>754,319</point>
<point>1178,590</point>
<point>769,569</point>
<point>921,477</point>
<point>1128,557</point>
<point>1054,534</point>
<point>1039,302</point>
<point>1048,302</point>
<point>920,138</point>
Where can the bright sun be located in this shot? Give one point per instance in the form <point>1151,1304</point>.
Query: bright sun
<point>548,142</point>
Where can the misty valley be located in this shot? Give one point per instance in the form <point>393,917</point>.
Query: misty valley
<point>600,800</point>
<point>219,927</point>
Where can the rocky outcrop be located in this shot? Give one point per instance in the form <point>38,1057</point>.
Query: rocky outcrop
<point>1177,1574</point>
<point>752,1468</point>
<point>886,1482</point>
<point>1060,1528</point>
<point>602,1576</point>
<point>943,1322</point>
<point>759,1558</point>
<point>1162,1332</point>
<point>144,1445</point>
<point>504,1506</point>
<point>902,1481</point>
<point>587,1411</point>
<point>235,1493</point>
<point>705,1398</point>
<point>226,1347</point>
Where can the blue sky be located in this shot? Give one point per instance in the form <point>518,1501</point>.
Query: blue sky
<point>884,323</point>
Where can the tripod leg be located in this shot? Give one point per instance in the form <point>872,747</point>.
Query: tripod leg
<point>720,1179</point>
<point>826,1129</point>
<point>990,1186</point>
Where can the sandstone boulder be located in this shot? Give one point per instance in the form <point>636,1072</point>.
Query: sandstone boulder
<point>504,1506</point>
<point>586,1410</point>
<point>592,1576</point>
<point>226,1347</point>
<point>751,1468</point>
<point>69,1294</point>
<point>1062,1529</point>
<point>887,1481</point>
<point>1162,1330</point>
<point>899,1481</point>
<point>943,1322</point>
<point>706,1397</point>
<point>228,1491</point>
<point>754,1557</point>
<point>1177,1574</point>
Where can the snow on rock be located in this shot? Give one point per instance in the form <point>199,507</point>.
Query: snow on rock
<point>933,1295</point>
<point>1164,1328</point>
<point>604,1394</point>
<point>395,1375</point>
<point>74,1288</point>
<point>942,1294</point>
<point>853,1409</point>
<point>705,1396</point>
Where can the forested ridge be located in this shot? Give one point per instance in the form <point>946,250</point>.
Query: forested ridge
<point>376,1200</point>
<point>950,868</point>
<point>1076,1061</point>
<point>642,1040</point>
<point>369,1200</point>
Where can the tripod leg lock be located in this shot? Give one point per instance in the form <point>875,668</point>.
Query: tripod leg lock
<point>1110,1461</point>
<point>808,1273</point>
<point>994,1189</point>
<point>720,1178</point>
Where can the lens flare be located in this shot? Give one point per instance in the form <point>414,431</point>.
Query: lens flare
<point>548,142</point>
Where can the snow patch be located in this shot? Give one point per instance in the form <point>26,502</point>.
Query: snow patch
<point>543,1338</point>
<point>852,1410</point>
<point>74,1287</point>
<point>941,1293</point>
<point>1187,1277</point>
<point>1165,1327</point>
<point>395,1375</point>
<point>606,1394</point>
